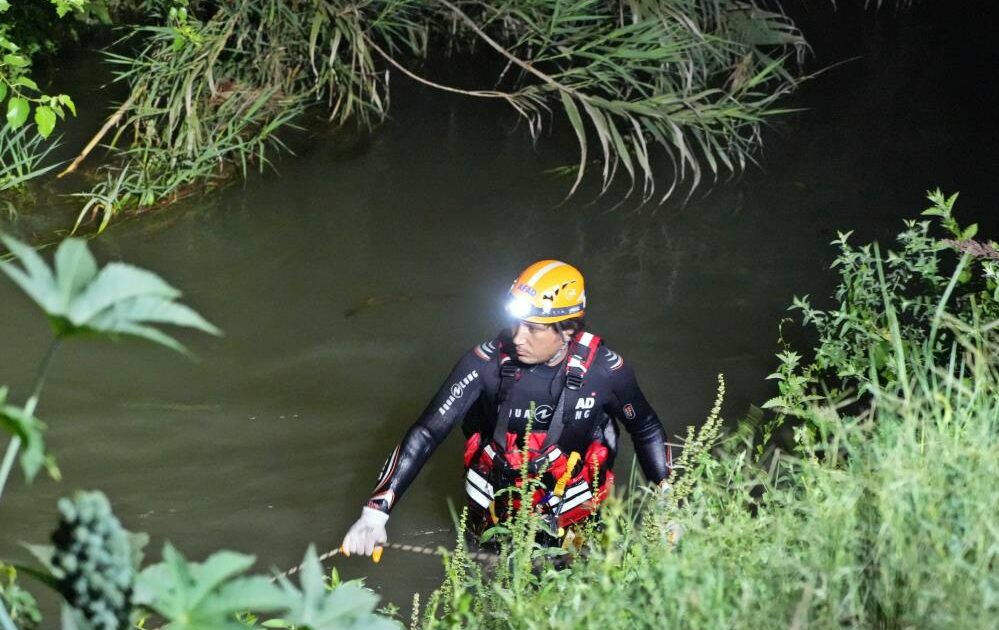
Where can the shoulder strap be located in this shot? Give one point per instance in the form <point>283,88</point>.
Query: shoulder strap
<point>509,374</point>
<point>582,353</point>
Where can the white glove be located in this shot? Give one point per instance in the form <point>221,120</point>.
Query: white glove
<point>674,532</point>
<point>367,533</point>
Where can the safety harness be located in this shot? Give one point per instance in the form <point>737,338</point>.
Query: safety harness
<point>494,464</point>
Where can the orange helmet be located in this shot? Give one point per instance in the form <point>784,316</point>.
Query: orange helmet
<point>548,291</point>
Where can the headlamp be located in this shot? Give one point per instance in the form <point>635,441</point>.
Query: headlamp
<point>518,308</point>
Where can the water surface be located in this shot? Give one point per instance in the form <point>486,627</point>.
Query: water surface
<point>349,283</point>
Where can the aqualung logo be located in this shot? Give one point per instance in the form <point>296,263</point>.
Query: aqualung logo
<point>542,414</point>
<point>457,391</point>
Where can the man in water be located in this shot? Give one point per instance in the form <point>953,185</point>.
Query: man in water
<point>545,388</point>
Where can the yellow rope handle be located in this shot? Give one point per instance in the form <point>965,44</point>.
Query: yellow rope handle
<point>564,479</point>
<point>376,554</point>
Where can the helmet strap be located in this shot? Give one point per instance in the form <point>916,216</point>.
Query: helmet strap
<point>559,356</point>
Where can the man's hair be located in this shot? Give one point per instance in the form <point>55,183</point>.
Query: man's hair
<point>574,325</point>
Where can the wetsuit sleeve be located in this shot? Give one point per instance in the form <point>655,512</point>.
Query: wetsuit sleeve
<point>456,396</point>
<point>629,406</point>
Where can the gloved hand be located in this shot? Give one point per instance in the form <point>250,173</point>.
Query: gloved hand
<point>367,533</point>
<point>674,532</point>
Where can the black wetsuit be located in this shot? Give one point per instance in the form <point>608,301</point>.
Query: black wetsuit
<point>469,395</point>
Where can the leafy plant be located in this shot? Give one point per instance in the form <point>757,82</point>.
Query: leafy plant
<point>27,429</point>
<point>21,99</point>
<point>206,595</point>
<point>319,605</point>
<point>888,307</point>
<point>80,299</point>
<point>21,604</point>
<point>93,560</point>
<point>210,596</point>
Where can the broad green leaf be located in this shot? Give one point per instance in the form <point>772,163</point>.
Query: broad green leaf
<point>175,585</point>
<point>774,403</point>
<point>26,82</point>
<point>3,91</point>
<point>251,593</point>
<point>117,300</point>
<point>45,118</point>
<point>68,102</point>
<point>16,61</point>
<point>204,596</point>
<point>213,572</point>
<point>116,282</point>
<point>29,429</point>
<point>17,112</point>
<point>149,309</point>
<point>35,278</point>
<point>43,576</point>
<point>347,606</point>
<point>137,330</point>
<point>75,268</point>
<point>44,554</point>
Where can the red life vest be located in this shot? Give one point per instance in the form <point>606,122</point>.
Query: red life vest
<point>494,464</point>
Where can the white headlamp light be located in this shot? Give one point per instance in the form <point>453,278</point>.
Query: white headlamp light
<point>518,308</point>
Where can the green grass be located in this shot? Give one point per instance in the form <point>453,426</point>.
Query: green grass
<point>23,156</point>
<point>884,519</point>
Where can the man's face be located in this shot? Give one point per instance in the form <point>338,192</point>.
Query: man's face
<point>535,343</point>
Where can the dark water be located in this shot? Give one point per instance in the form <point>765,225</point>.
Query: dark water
<point>274,438</point>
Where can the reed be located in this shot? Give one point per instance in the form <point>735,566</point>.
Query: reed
<point>24,155</point>
<point>687,83</point>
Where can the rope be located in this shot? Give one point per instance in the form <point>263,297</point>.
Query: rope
<point>420,549</point>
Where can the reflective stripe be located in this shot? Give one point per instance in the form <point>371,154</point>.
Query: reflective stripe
<point>586,338</point>
<point>555,454</point>
<point>540,272</point>
<point>488,450</point>
<point>480,483</point>
<point>576,489</point>
<point>582,498</point>
<point>474,494</point>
